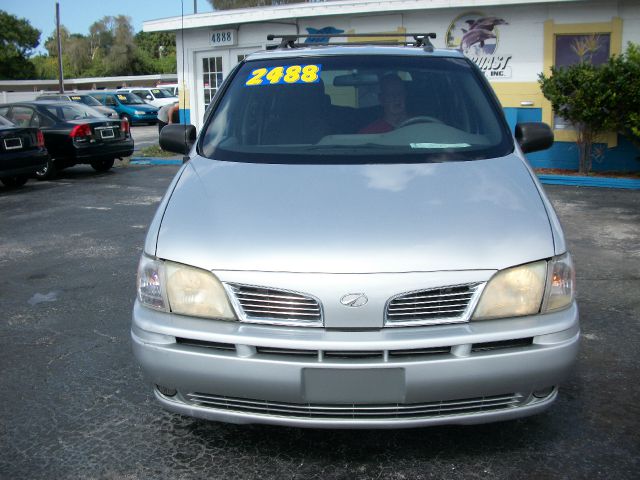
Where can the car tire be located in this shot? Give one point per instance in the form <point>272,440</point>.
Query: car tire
<point>14,181</point>
<point>47,172</point>
<point>103,164</point>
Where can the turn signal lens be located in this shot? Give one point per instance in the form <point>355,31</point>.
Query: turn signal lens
<point>562,280</point>
<point>151,283</point>
<point>124,126</point>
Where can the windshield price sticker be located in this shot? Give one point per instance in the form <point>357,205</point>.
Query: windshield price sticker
<point>122,97</point>
<point>155,90</point>
<point>439,145</point>
<point>76,98</point>
<point>284,75</point>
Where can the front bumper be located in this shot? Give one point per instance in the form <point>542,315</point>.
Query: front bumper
<point>241,373</point>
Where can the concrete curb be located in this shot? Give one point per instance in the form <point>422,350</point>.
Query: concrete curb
<point>600,182</point>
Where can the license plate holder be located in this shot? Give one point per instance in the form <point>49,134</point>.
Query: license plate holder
<point>346,386</point>
<point>12,143</point>
<point>107,133</point>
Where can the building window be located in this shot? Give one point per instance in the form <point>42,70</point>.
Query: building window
<point>212,77</point>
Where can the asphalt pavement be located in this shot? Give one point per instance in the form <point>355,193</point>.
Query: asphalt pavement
<point>73,404</point>
<point>144,135</point>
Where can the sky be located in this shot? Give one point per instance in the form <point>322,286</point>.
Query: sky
<point>78,15</point>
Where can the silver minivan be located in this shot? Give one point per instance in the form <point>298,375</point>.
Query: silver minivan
<point>356,241</point>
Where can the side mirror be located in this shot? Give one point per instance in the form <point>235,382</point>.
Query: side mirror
<point>534,136</point>
<point>148,97</point>
<point>178,138</point>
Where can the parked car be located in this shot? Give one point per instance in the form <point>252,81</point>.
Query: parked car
<point>84,98</point>
<point>73,134</point>
<point>128,106</point>
<point>172,88</point>
<point>357,241</point>
<point>158,97</point>
<point>22,153</point>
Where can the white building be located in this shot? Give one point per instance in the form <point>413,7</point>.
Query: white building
<point>518,40</point>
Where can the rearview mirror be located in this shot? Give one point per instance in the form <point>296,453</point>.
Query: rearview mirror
<point>533,136</point>
<point>178,138</point>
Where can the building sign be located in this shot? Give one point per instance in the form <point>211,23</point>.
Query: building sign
<point>222,38</point>
<point>493,66</point>
<point>477,36</point>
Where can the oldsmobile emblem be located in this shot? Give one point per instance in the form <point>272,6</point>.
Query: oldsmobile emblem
<point>354,300</point>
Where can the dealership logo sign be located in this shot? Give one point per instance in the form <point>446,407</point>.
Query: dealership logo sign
<point>477,36</point>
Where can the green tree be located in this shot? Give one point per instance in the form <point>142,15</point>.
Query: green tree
<point>580,94</point>
<point>17,40</point>
<point>622,75</point>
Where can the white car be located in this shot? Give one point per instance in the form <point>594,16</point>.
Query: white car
<point>158,97</point>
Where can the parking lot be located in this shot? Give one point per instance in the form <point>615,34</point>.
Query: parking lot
<point>73,403</point>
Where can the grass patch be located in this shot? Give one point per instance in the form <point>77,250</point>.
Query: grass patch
<point>153,151</point>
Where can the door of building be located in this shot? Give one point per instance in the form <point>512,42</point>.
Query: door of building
<point>213,67</point>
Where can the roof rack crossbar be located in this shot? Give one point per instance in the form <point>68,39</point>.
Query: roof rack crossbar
<point>289,41</point>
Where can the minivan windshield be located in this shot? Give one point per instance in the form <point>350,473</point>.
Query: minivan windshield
<point>356,109</point>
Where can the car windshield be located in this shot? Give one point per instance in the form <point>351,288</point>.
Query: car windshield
<point>356,109</point>
<point>86,99</point>
<point>127,98</point>
<point>161,93</point>
<point>71,111</point>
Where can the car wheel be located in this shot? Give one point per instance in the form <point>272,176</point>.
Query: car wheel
<point>47,172</point>
<point>102,165</point>
<point>15,181</point>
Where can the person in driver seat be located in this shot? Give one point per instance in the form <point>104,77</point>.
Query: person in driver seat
<point>393,100</point>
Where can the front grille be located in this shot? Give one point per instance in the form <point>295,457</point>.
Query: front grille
<point>280,307</point>
<point>432,306</point>
<point>357,411</point>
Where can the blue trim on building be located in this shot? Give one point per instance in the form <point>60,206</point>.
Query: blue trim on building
<point>154,161</point>
<point>580,181</point>
<point>185,116</point>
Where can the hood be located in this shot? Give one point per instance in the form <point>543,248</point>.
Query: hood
<point>484,214</point>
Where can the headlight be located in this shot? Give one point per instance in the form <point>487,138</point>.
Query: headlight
<point>513,292</point>
<point>138,112</point>
<point>182,289</point>
<point>561,284</point>
<point>528,289</point>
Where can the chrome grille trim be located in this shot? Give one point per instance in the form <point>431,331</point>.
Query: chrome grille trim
<point>433,306</point>
<point>274,306</point>
<point>354,411</point>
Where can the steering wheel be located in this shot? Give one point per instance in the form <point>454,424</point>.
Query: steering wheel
<point>418,119</point>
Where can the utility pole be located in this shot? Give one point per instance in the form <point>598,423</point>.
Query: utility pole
<point>60,74</point>
<point>195,6</point>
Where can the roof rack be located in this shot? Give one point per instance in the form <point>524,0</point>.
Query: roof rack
<point>290,41</point>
